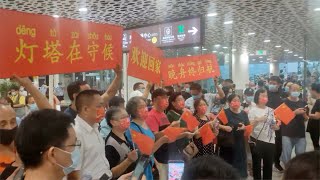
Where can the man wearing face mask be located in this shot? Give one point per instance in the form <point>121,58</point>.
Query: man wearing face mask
<point>18,102</point>
<point>91,111</point>
<point>31,105</point>
<point>274,101</point>
<point>140,90</point>
<point>55,152</point>
<point>248,100</point>
<point>9,124</point>
<point>293,134</point>
<point>196,92</point>
<point>186,91</point>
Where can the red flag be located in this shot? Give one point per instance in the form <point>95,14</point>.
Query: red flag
<point>223,117</point>
<point>206,134</point>
<point>191,121</point>
<point>173,132</point>
<point>248,130</point>
<point>284,114</point>
<point>144,143</point>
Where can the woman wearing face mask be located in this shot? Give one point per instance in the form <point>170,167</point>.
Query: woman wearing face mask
<point>248,100</point>
<point>174,112</point>
<point>119,153</point>
<point>54,150</point>
<point>235,152</point>
<point>201,106</point>
<point>262,140</point>
<point>137,109</point>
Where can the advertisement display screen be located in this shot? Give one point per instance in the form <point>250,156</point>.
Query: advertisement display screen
<point>176,33</point>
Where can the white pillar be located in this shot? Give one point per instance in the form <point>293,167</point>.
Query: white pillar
<point>125,76</point>
<point>240,70</point>
<point>274,68</point>
<point>51,90</point>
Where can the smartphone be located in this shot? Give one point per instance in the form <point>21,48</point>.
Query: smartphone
<point>140,167</point>
<point>175,170</point>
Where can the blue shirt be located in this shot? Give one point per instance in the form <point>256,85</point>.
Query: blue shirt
<point>105,129</point>
<point>148,132</point>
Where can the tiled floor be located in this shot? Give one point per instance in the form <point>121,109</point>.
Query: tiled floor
<point>277,175</point>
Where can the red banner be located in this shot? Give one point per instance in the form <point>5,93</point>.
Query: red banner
<point>34,44</point>
<point>189,68</point>
<point>144,60</point>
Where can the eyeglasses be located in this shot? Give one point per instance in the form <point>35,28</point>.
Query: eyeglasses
<point>78,143</point>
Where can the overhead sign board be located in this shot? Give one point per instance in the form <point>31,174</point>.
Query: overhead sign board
<point>261,52</point>
<point>176,33</point>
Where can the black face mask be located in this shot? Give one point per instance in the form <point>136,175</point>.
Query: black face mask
<point>7,135</point>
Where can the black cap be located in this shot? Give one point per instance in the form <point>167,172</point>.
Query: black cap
<point>249,92</point>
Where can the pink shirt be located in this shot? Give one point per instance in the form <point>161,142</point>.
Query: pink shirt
<point>156,120</point>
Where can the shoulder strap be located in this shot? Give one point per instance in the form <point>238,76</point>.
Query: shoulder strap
<point>137,126</point>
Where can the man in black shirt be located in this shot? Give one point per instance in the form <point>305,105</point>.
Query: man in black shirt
<point>274,101</point>
<point>314,121</point>
<point>293,134</point>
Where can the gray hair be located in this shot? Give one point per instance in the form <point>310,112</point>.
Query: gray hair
<point>132,106</point>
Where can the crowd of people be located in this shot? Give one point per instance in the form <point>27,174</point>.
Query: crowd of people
<point>92,138</point>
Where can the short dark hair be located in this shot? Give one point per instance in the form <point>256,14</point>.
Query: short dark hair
<point>136,85</point>
<point>173,98</point>
<point>276,79</point>
<point>16,88</point>
<point>158,92</point>
<point>74,88</point>
<point>132,106</point>
<point>209,167</point>
<point>116,101</point>
<point>111,113</point>
<point>261,83</point>
<point>231,97</point>
<point>248,92</point>
<point>303,166</point>
<point>195,86</point>
<point>228,81</point>
<point>39,131</point>
<point>315,87</point>
<point>85,98</point>
<point>169,89</point>
<point>27,99</point>
<point>257,94</point>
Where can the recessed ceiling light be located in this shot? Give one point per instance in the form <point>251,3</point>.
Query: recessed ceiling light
<point>225,47</point>
<point>212,14</point>
<point>196,47</point>
<point>214,51</point>
<point>217,45</point>
<point>83,9</point>
<point>261,61</point>
<point>188,55</point>
<point>221,53</point>
<point>301,57</point>
<point>267,40</point>
<point>286,50</point>
<point>275,60</point>
<point>260,57</point>
<point>295,55</point>
<point>251,54</point>
<point>233,50</point>
<point>289,52</point>
<point>204,49</point>
<point>55,16</point>
<point>253,59</point>
<point>269,59</point>
<point>317,9</point>
<point>228,22</point>
<point>251,33</point>
<point>278,46</point>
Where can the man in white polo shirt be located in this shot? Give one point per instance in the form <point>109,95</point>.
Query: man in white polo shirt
<point>91,110</point>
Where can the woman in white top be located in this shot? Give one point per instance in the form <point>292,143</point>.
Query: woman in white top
<point>262,140</point>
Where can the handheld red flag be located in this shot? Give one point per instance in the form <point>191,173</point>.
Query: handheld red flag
<point>223,117</point>
<point>191,121</point>
<point>206,134</point>
<point>144,143</point>
<point>284,114</point>
<point>248,130</point>
<point>173,132</point>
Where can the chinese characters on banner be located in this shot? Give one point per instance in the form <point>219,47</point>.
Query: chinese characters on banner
<point>145,60</point>
<point>190,68</point>
<point>34,44</point>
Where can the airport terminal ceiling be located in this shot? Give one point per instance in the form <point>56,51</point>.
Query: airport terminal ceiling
<point>277,26</point>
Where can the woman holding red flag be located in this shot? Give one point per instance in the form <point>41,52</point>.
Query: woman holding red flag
<point>262,139</point>
<point>234,151</point>
<point>137,109</point>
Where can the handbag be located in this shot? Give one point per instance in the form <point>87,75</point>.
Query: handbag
<point>190,151</point>
<point>253,141</point>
